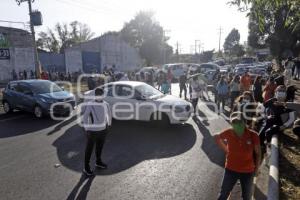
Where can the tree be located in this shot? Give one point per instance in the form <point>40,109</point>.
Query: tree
<point>145,34</point>
<point>207,56</point>
<point>274,24</point>
<point>232,45</point>
<point>64,36</point>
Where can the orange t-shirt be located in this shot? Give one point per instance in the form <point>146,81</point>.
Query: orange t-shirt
<point>240,150</point>
<point>245,83</point>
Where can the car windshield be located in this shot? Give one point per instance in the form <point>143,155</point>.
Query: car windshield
<point>42,87</point>
<point>148,91</point>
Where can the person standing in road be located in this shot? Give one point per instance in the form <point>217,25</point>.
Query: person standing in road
<point>257,89</point>
<point>242,148</point>
<point>222,93</point>
<point>97,118</point>
<point>182,85</point>
<point>234,90</point>
<point>169,79</point>
<point>195,89</point>
<point>245,82</point>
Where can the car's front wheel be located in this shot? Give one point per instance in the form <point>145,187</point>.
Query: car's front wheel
<point>6,107</point>
<point>38,112</point>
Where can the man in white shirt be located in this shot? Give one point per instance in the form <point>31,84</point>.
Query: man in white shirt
<point>97,118</point>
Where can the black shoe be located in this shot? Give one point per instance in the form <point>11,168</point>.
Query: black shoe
<point>101,165</point>
<point>88,172</point>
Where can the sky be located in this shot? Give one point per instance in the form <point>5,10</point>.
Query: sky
<point>184,21</point>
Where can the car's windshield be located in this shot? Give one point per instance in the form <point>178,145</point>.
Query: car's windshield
<point>148,91</point>
<point>42,87</point>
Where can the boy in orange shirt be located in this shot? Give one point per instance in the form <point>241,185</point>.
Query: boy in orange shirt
<point>245,82</point>
<point>240,144</point>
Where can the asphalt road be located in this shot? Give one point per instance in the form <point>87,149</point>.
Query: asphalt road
<point>42,159</point>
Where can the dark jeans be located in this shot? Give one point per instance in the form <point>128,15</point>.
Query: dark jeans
<point>92,138</point>
<point>221,99</point>
<point>233,96</point>
<point>194,103</point>
<point>182,87</point>
<point>229,180</point>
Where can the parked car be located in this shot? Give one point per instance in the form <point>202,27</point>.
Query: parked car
<point>40,97</point>
<point>145,70</point>
<point>143,102</point>
<point>177,69</point>
<point>203,68</point>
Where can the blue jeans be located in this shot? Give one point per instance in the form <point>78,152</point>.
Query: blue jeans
<point>229,180</point>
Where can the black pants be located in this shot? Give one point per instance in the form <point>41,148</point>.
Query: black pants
<point>221,99</point>
<point>229,180</point>
<point>233,96</point>
<point>92,138</point>
<point>182,87</point>
<point>195,103</point>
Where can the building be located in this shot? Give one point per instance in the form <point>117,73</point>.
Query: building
<point>108,51</point>
<point>16,52</point>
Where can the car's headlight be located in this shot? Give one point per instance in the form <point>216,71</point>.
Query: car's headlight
<point>178,109</point>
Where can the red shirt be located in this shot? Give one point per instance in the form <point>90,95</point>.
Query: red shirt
<point>240,150</point>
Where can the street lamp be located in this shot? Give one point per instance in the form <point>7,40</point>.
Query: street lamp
<point>36,58</point>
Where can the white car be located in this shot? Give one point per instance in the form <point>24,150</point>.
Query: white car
<point>132,100</point>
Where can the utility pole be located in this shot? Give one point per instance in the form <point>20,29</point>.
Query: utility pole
<point>177,50</point>
<point>220,35</point>
<point>196,41</point>
<point>36,57</point>
<point>164,45</point>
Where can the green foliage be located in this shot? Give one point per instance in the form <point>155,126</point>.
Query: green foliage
<point>232,45</point>
<point>63,36</point>
<point>206,56</point>
<point>145,34</point>
<point>274,24</point>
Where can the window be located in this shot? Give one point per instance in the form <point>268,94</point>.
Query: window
<point>124,91</point>
<point>24,89</point>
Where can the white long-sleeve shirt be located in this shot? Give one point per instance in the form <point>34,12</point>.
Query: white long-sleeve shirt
<point>97,116</point>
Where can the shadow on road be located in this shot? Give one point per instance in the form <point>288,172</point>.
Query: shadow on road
<point>128,143</point>
<point>82,194</point>
<point>21,123</point>
<point>209,146</point>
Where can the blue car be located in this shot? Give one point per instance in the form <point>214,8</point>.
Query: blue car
<point>40,97</point>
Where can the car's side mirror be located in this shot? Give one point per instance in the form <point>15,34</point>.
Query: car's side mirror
<point>140,98</point>
<point>62,87</point>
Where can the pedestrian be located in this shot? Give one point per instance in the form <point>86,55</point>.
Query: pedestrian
<point>14,75</point>
<point>234,89</point>
<point>269,89</point>
<point>222,92</point>
<point>257,89</point>
<point>297,64</point>
<point>160,79</point>
<point>97,119</point>
<point>32,76</point>
<point>288,74</point>
<point>170,79</point>
<point>182,85</point>
<point>194,92</point>
<point>242,148</point>
<point>245,82</point>
<point>165,87</point>
<point>25,74</point>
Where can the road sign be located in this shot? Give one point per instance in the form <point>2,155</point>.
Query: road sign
<point>4,54</point>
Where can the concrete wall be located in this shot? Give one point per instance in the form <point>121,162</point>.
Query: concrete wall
<point>73,60</point>
<point>21,52</point>
<point>20,59</point>
<point>53,61</point>
<point>112,51</point>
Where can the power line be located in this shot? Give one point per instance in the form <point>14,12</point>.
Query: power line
<point>88,8</point>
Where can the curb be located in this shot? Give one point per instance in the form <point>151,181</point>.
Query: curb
<point>273,187</point>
